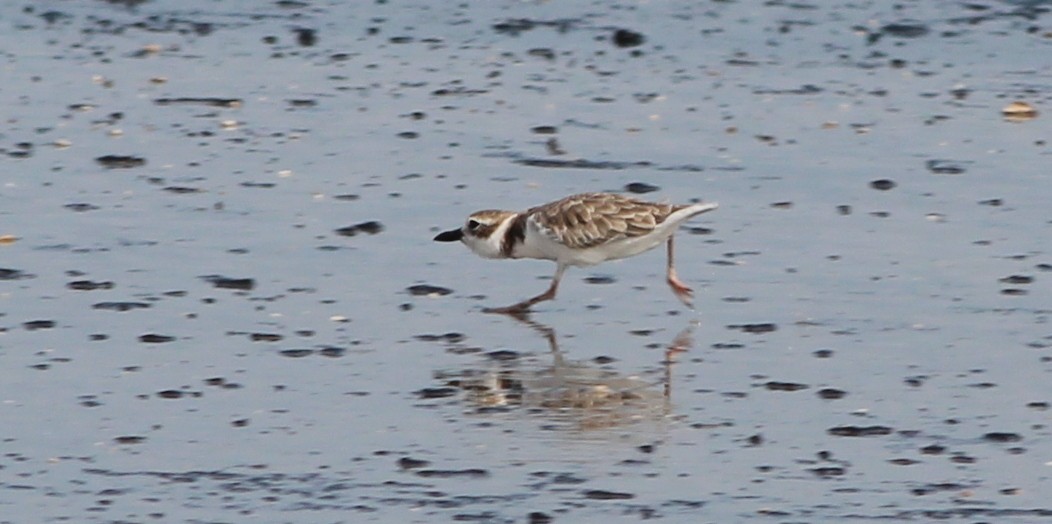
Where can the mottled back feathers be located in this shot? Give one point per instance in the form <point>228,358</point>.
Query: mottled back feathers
<point>593,219</point>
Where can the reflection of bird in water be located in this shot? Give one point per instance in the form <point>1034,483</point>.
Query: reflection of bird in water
<point>575,394</point>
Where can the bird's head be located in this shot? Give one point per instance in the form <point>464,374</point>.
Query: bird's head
<point>483,232</point>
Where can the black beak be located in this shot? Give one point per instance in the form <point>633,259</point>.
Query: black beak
<point>452,235</point>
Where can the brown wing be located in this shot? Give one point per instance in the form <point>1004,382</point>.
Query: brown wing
<point>593,219</point>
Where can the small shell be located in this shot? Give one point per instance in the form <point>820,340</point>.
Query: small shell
<point>1019,111</point>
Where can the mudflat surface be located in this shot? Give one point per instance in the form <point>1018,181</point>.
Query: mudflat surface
<point>220,301</point>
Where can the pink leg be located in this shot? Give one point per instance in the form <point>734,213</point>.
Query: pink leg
<point>682,291</point>
<point>525,305</point>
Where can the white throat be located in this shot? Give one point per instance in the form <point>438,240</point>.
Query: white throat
<point>490,247</point>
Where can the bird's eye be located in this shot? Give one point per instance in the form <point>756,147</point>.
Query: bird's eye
<point>473,225</point>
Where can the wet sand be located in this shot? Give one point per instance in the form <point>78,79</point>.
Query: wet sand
<point>220,301</point>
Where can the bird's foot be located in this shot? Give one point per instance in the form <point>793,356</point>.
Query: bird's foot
<point>520,310</point>
<point>523,308</point>
<point>682,291</point>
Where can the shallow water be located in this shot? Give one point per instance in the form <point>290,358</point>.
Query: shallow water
<point>217,214</point>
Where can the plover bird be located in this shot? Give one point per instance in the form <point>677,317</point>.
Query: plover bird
<point>579,230</point>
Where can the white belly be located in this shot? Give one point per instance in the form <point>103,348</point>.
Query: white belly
<point>539,245</point>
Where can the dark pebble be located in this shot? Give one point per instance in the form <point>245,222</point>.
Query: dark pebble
<point>934,449</point>
<point>1013,292</point>
<point>120,306</point>
<point>182,190</point>
<point>243,284</point>
<point>371,227</point>
<point>600,280</point>
<point>882,184</point>
<point>426,289</point>
<point>13,274</point>
<point>1002,437</point>
<point>928,489</point>
<point>542,52</point>
<point>640,188</point>
<point>915,382</point>
<point>515,26</point>
<point>332,352</point>
<point>451,338</point>
<point>536,517</point>
<point>80,207</point>
<point>581,163</point>
<point>429,393</point>
<point>153,338</point>
<point>831,393</point>
<point>1016,279</point>
<point>170,394</point>
<point>843,209</point>
<point>503,355</point>
<point>34,325</point>
<point>265,337</point>
<point>412,463</point>
<point>962,459</point>
<point>627,38</point>
<point>784,386</point>
<point>727,345</point>
<point>766,327</point>
<point>120,161</point>
<point>906,29</point>
<point>306,37</point>
<point>296,353</point>
<point>782,205</point>
<point>212,102</point>
<point>823,353</point>
<point>544,130</point>
<point>859,431</point>
<point>88,285</point>
<point>995,202</point>
<point>408,135</point>
<point>240,423</point>
<point>474,473</point>
<point>601,494</point>
<point>831,471</point>
<point>130,439</point>
<point>89,401</point>
<point>944,167</point>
